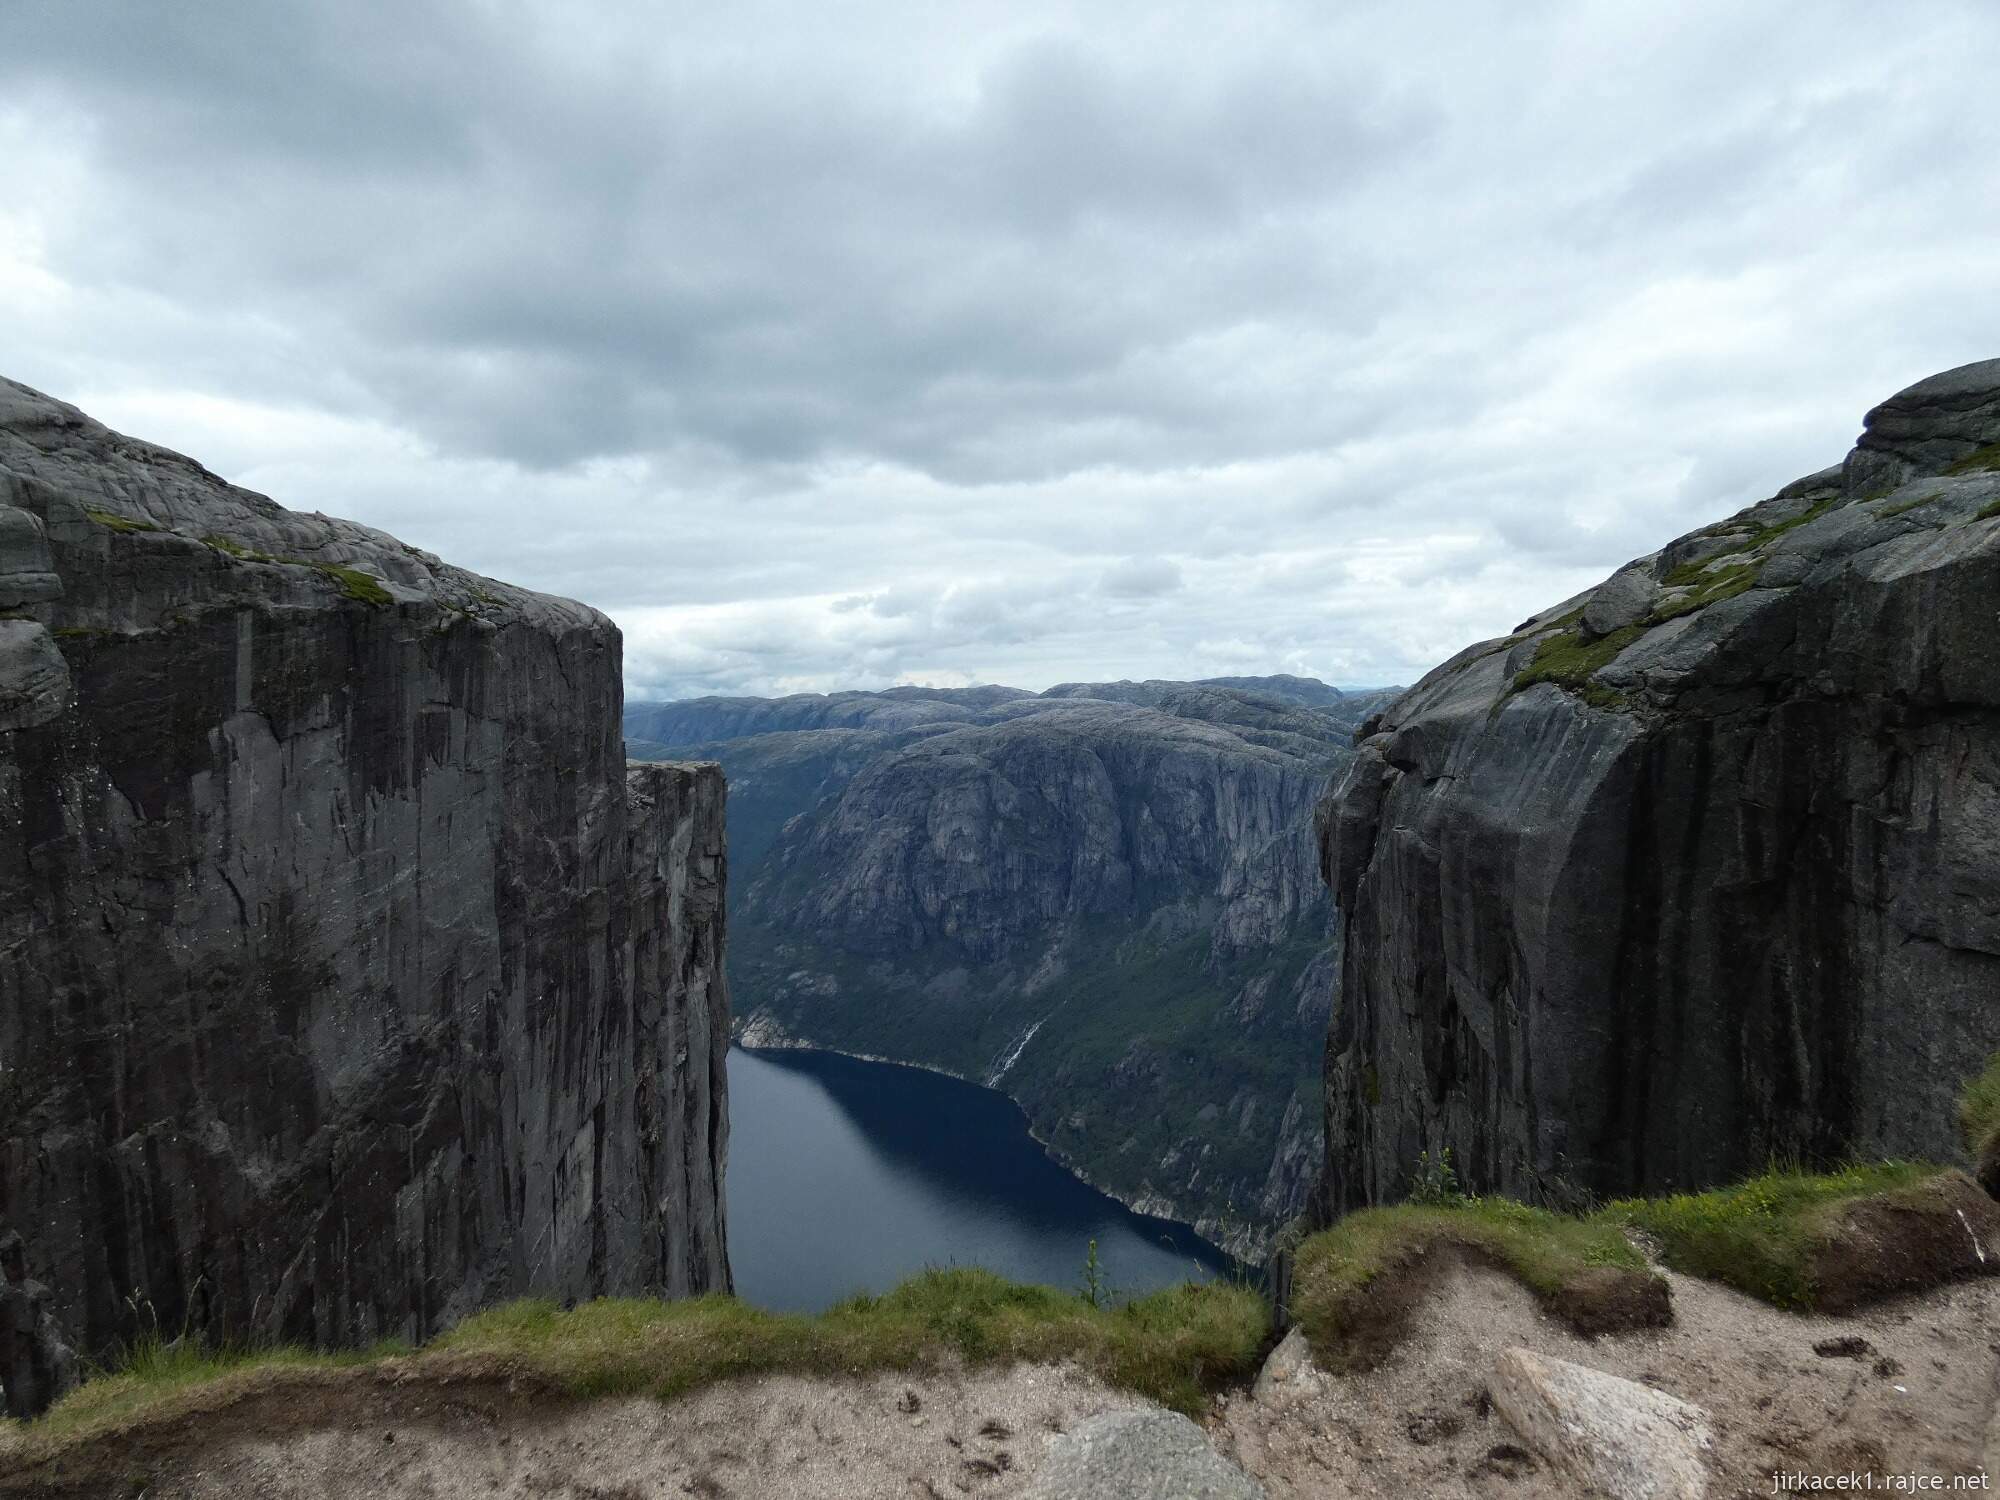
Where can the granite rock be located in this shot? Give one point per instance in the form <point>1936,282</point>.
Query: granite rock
<point>1641,912</point>
<point>347,981</point>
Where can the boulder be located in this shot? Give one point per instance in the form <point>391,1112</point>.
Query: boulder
<point>1139,1455</point>
<point>1613,1436</point>
<point>1288,1372</point>
<point>1625,598</point>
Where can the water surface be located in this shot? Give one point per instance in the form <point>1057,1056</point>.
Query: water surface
<point>848,1176</point>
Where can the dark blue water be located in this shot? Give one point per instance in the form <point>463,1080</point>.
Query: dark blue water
<point>849,1176</point>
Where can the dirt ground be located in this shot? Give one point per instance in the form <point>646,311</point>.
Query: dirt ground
<point>1917,1399</point>
<point>1906,1387</point>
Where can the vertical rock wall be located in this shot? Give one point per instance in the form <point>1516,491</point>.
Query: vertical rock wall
<point>346,982</point>
<point>1701,867</point>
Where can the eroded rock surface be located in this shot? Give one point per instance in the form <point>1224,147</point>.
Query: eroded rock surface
<point>345,981</point>
<point>1638,902</point>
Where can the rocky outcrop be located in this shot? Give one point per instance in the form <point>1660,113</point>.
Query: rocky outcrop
<point>346,981</point>
<point>1700,868</point>
<point>1102,899</point>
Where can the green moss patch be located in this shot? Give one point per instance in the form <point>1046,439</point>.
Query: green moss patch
<point>1569,661</point>
<point>1356,1284</point>
<point>1712,588</point>
<point>1909,505</point>
<point>119,523</point>
<point>356,584</point>
<point>1983,461</point>
<point>1989,512</point>
<point>1979,1117</point>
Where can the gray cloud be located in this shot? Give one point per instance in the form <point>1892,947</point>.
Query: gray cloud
<point>861,346</point>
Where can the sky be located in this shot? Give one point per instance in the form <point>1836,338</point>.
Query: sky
<point>842,346</point>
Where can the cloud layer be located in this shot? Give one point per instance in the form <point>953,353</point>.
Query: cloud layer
<point>952,343</point>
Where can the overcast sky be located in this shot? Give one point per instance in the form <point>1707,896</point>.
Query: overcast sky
<point>843,345</point>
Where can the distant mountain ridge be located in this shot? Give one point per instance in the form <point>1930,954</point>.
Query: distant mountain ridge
<point>1102,898</point>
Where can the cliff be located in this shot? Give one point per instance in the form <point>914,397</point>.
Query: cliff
<point>348,978</point>
<point>1700,867</point>
<point>1101,900</point>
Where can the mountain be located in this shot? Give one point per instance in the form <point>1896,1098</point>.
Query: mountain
<point>349,978</point>
<point>1101,899</point>
<point>1701,867</point>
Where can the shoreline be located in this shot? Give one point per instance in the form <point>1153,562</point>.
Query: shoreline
<point>1249,1250</point>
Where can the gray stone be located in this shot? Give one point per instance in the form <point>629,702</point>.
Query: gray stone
<point>1626,598</point>
<point>37,1366</point>
<point>1612,1436</point>
<point>1734,904</point>
<point>27,573</point>
<point>1288,1372</point>
<point>1139,1455</point>
<point>351,981</point>
<point>34,678</point>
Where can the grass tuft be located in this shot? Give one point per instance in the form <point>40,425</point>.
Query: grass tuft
<point>356,584</point>
<point>1569,661</point>
<point>119,523</point>
<point>1984,461</point>
<point>1759,1236</point>
<point>1979,1108</point>
<point>1352,1282</point>
<point>1175,1346</point>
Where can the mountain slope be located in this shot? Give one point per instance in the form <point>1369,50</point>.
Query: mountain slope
<point>1101,899</point>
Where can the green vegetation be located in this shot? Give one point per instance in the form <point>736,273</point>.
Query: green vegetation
<point>356,584</point>
<point>1910,505</point>
<point>1353,1283</point>
<point>236,549</point>
<point>1979,1110</point>
<point>1174,1346</point>
<point>1989,512</point>
<point>1569,661</point>
<point>1713,587</point>
<point>1985,461</point>
<point>119,523</point>
<point>1759,1236</point>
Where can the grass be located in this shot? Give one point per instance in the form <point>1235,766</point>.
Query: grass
<point>1174,1346</point>
<point>1985,461</point>
<point>118,522</point>
<point>1979,1109</point>
<point>1569,661</point>
<point>353,582</point>
<point>1989,512</point>
<point>356,584</point>
<point>1909,505</point>
<point>1760,1235</point>
<point>1343,1283</point>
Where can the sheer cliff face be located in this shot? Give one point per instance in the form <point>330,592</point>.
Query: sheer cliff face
<point>1102,899</point>
<point>346,980</point>
<point>1699,867</point>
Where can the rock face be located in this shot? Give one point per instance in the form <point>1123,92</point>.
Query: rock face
<point>1101,899</point>
<point>348,978</point>
<point>1636,901</point>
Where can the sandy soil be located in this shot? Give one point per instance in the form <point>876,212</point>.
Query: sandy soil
<point>934,1437</point>
<point>1918,1398</point>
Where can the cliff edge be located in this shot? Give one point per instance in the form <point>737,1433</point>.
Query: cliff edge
<point>1699,867</point>
<point>348,978</point>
